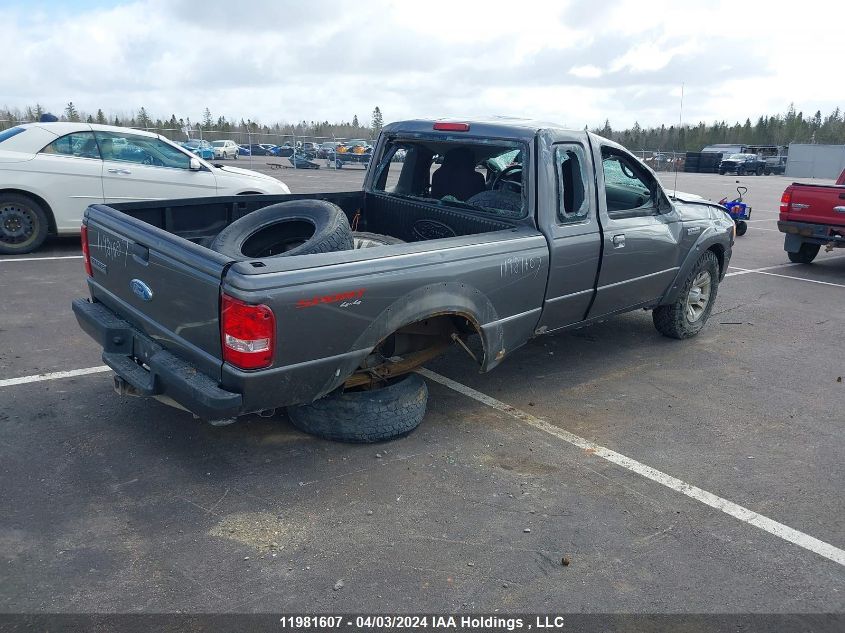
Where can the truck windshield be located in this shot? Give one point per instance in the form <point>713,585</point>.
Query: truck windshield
<point>478,175</point>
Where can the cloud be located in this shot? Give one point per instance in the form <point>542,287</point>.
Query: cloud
<point>575,62</point>
<point>587,71</point>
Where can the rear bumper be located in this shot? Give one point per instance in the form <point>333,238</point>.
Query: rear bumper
<point>124,350</point>
<point>798,233</point>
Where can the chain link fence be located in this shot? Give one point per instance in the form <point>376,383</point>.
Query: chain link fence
<point>662,160</point>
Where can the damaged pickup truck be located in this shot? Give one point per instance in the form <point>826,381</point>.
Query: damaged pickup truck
<point>326,303</point>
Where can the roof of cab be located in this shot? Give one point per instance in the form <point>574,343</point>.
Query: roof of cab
<point>484,126</point>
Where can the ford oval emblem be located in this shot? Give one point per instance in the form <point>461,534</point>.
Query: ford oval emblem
<point>141,289</point>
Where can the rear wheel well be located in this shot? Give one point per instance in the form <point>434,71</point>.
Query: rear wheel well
<point>413,345</point>
<point>52,221</point>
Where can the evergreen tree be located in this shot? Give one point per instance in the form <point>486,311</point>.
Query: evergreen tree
<point>71,112</point>
<point>143,118</point>
<point>207,121</point>
<point>355,121</point>
<point>377,121</point>
<point>101,118</point>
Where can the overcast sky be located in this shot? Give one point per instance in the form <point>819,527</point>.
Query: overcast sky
<point>574,63</point>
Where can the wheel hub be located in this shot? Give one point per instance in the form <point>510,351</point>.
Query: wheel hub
<point>698,296</point>
<point>17,224</point>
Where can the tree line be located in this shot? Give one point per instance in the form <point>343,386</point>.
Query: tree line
<point>779,129</point>
<point>208,126</point>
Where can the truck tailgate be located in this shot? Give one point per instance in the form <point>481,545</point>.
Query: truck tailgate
<point>165,286</point>
<point>817,204</point>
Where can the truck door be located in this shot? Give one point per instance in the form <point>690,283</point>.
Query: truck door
<point>140,167</point>
<point>642,231</point>
<point>574,236</point>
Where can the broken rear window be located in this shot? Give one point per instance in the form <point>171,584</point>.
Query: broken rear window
<point>481,176</point>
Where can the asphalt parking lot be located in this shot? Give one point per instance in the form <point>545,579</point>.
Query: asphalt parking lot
<point>598,446</point>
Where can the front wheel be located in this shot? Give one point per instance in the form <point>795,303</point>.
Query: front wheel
<point>687,315</point>
<point>23,224</point>
<point>741,228</point>
<point>805,255</point>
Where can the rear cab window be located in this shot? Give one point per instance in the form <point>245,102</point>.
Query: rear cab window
<point>482,175</point>
<point>572,183</point>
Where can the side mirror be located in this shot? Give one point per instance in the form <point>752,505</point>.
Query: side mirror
<point>195,164</point>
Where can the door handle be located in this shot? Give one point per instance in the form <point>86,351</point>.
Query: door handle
<point>619,241</point>
<point>140,253</point>
<point>839,209</point>
<point>125,172</point>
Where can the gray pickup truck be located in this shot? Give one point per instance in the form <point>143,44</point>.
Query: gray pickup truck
<point>505,229</point>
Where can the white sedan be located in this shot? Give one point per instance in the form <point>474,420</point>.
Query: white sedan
<point>50,173</point>
<point>225,149</point>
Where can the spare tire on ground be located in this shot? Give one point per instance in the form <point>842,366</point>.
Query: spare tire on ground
<point>363,417</point>
<point>362,239</point>
<point>297,227</point>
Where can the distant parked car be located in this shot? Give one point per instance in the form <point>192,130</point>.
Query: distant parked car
<point>225,149</point>
<point>327,149</point>
<point>243,150</point>
<point>742,164</point>
<point>285,149</point>
<point>260,149</point>
<point>50,173</point>
<point>201,148</point>
<point>775,165</point>
<point>308,148</point>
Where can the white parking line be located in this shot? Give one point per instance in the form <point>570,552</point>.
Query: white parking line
<point>812,281</point>
<point>728,507</point>
<point>745,271</point>
<point>22,380</point>
<point>40,259</point>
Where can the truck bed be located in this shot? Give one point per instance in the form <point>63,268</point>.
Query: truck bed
<point>199,220</point>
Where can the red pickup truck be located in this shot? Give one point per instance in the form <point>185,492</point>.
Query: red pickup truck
<point>812,216</point>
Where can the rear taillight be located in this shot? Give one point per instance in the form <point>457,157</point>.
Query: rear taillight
<point>248,333</point>
<point>786,201</point>
<point>86,253</point>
